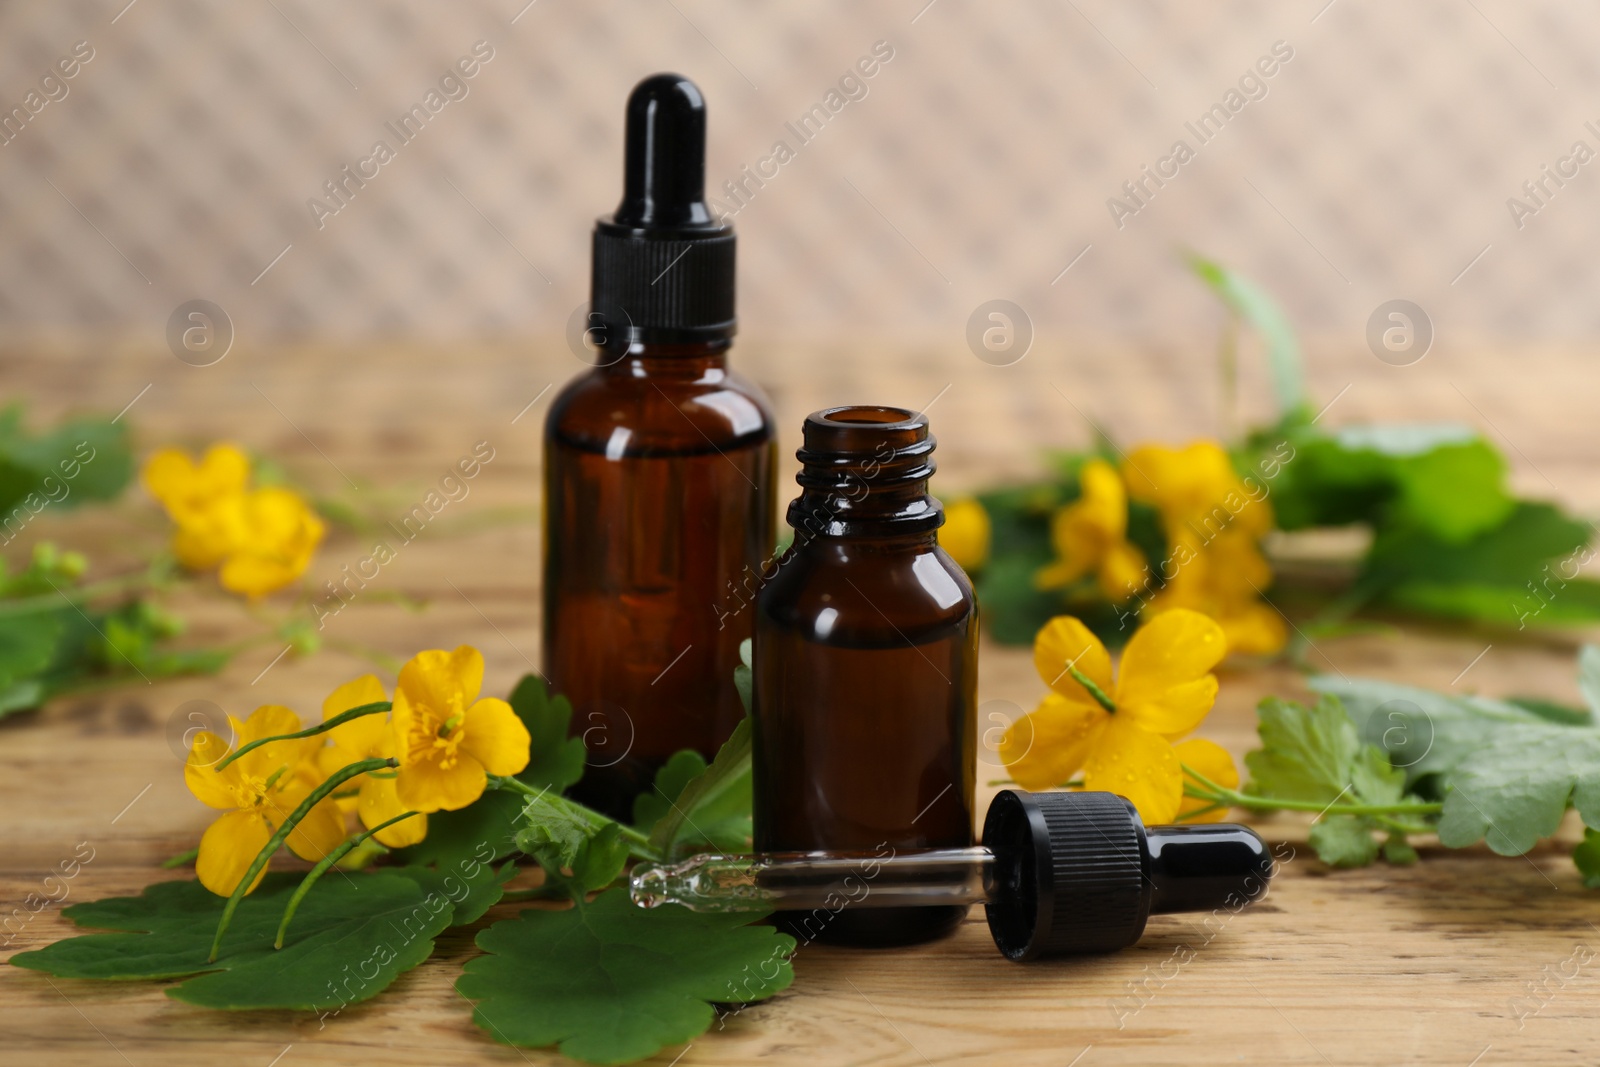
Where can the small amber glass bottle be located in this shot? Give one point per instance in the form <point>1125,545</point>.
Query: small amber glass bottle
<point>659,468</point>
<point>865,670</point>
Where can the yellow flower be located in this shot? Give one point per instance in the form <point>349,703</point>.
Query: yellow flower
<point>1091,536</point>
<point>259,790</point>
<point>1211,760</point>
<point>280,535</point>
<point>377,798</point>
<point>965,533</point>
<point>1213,522</point>
<point>188,489</point>
<point>1163,690</point>
<point>261,539</point>
<point>449,739</point>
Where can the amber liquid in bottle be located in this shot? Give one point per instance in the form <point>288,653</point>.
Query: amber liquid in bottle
<point>658,500</point>
<point>865,670</point>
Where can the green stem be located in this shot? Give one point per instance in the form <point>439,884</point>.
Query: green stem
<point>316,796</point>
<point>321,728</point>
<point>322,867</point>
<point>1234,798</point>
<point>180,859</point>
<point>1094,690</point>
<point>27,605</point>
<point>638,844</point>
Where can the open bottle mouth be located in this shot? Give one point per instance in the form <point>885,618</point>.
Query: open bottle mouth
<point>864,470</point>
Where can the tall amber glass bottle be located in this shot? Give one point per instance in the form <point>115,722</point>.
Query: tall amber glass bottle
<point>865,669</point>
<point>659,466</point>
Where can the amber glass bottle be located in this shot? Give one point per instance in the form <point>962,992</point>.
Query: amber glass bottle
<point>659,467</point>
<point>865,670</point>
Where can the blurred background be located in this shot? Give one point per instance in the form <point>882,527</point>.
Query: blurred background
<point>1345,154</point>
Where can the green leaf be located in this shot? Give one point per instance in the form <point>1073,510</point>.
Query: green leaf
<point>84,459</point>
<point>601,859</point>
<point>1344,841</point>
<point>1441,479</point>
<point>555,760</point>
<point>1503,575</point>
<point>744,675</point>
<point>717,795</point>
<point>1423,731</point>
<point>1398,851</point>
<point>353,935</point>
<point>1589,677</point>
<point>28,644</point>
<point>721,820</point>
<point>551,831</point>
<point>1515,791</point>
<point>1552,711</point>
<point>612,983</point>
<point>1587,857</point>
<point>1252,304</point>
<point>1306,753</point>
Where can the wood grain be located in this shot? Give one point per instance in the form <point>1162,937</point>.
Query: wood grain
<point>1441,963</point>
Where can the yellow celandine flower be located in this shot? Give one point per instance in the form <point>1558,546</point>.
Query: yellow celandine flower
<point>1163,690</point>
<point>1090,535</point>
<point>260,539</point>
<point>449,740</point>
<point>259,790</point>
<point>377,798</point>
<point>965,533</point>
<point>1214,523</point>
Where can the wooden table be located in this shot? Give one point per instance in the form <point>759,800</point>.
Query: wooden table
<point>1381,966</point>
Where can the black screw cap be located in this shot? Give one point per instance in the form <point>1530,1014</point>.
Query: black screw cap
<point>1078,872</point>
<point>663,265</point>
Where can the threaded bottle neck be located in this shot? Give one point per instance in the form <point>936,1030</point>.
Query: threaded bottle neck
<point>864,472</point>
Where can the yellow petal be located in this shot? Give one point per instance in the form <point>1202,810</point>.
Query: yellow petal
<point>1132,762</point>
<point>495,737</point>
<point>1065,642</point>
<point>368,736</point>
<point>227,849</point>
<point>319,833</point>
<point>1122,572</point>
<point>1177,710</point>
<point>168,474</point>
<point>427,786</point>
<point>1255,630</point>
<point>1174,648</point>
<point>271,720</point>
<point>1213,761</point>
<point>380,802</point>
<point>214,788</point>
<point>1045,749</point>
<point>443,683</point>
<point>965,533</point>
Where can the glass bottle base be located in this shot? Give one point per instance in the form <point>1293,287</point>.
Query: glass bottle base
<point>870,927</point>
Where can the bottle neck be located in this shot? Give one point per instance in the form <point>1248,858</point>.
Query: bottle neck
<point>864,473</point>
<point>640,359</point>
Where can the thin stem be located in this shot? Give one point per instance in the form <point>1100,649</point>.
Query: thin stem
<point>180,859</point>
<point>1094,690</point>
<point>1236,799</point>
<point>322,867</point>
<point>321,728</point>
<point>1197,812</point>
<point>316,796</point>
<point>638,844</point>
<point>26,605</point>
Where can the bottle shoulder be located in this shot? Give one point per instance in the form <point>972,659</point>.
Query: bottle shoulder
<point>711,409</point>
<point>855,592</point>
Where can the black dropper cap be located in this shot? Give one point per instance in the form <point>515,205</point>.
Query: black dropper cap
<point>663,264</point>
<point>1078,872</point>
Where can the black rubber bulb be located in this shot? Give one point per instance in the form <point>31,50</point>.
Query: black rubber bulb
<point>664,169</point>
